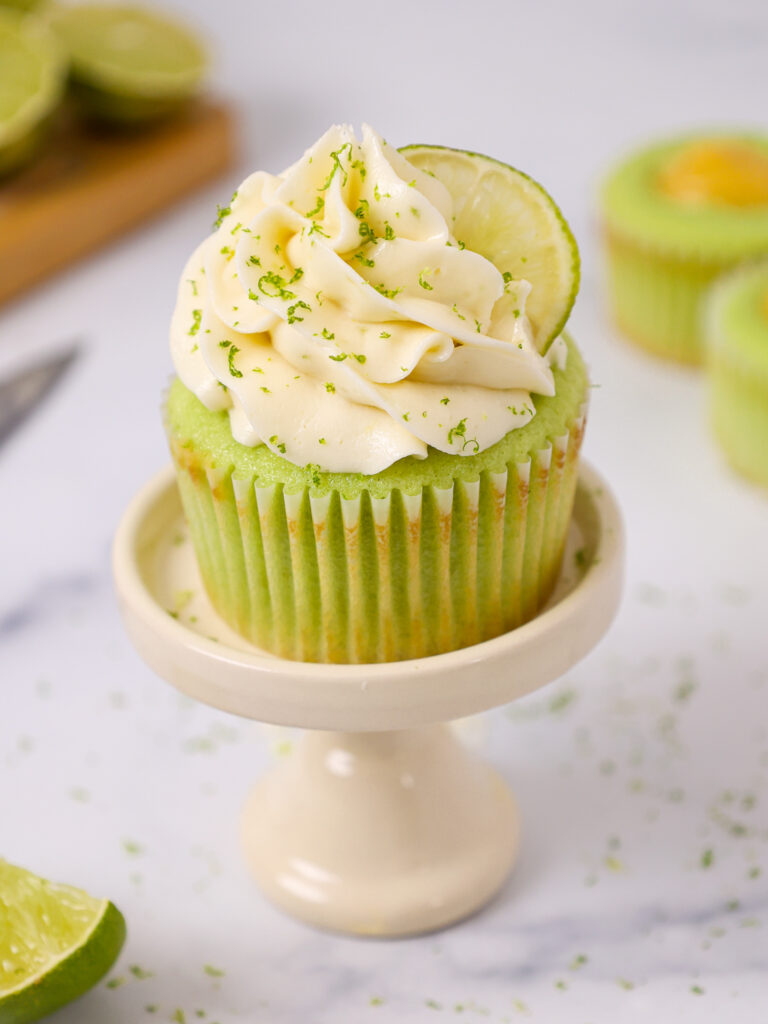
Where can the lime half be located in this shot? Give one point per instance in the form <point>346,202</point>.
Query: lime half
<point>55,943</point>
<point>127,62</point>
<point>510,219</point>
<point>31,85</point>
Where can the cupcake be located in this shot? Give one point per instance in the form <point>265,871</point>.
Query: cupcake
<point>128,65</point>
<point>736,324</point>
<point>31,87</point>
<point>676,215</point>
<point>376,420</point>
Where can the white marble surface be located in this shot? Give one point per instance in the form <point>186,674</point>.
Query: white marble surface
<point>642,891</point>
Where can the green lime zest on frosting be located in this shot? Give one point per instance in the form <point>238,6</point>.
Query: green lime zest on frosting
<point>423,279</point>
<point>293,316</point>
<point>233,350</point>
<point>337,166</point>
<point>385,334</point>
<point>278,283</point>
<point>328,335</point>
<point>364,259</point>
<point>329,387</point>
<point>222,212</point>
<point>197,316</point>
<point>318,209</point>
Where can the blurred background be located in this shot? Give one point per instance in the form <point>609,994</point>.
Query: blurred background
<point>622,769</point>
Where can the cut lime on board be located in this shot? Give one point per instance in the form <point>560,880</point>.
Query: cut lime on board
<point>55,944</point>
<point>31,84</point>
<point>510,219</point>
<point>130,50</point>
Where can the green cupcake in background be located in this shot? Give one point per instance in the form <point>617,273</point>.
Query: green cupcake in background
<point>128,65</point>
<point>31,87</point>
<point>376,444</point>
<point>676,216</point>
<point>736,322</point>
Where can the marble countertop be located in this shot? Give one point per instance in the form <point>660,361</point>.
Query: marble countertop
<point>642,776</point>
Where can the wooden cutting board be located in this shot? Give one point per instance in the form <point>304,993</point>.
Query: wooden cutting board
<point>88,187</point>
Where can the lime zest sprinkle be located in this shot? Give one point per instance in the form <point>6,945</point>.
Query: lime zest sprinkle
<point>197,316</point>
<point>321,440</point>
<point>317,230</point>
<point>337,166</point>
<point>444,401</point>
<point>359,357</point>
<point>339,358</point>
<point>265,390</point>
<point>454,309</point>
<point>328,335</point>
<point>364,260</point>
<point>281,448</point>
<point>385,334</point>
<point>389,234</point>
<point>319,207</point>
<point>297,275</point>
<point>293,316</point>
<point>461,245</point>
<point>359,165</point>
<point>478,326</point>
<point>192,281</point>
<point>423,279</point>
<point>222,212</point>
<point>233,350</point>
<point>362,209</point>
<point>329,387</point>
<point>388,293</point>
<point>254,261</point>
<point>278,283</point>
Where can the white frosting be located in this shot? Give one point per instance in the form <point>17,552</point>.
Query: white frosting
<point>339,321</point>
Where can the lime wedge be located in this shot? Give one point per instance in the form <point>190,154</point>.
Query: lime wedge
<point>31,85</point>
<point>509,218</point>
<point>55,943</point>
<point>129,63</point>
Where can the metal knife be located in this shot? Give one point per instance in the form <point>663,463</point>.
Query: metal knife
<point>21,394</point>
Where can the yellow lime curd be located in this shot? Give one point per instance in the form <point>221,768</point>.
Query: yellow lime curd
<point>717,172</point>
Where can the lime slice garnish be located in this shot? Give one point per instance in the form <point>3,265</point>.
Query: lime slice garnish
<point>129,50</point>
<point>31,76</point>
<point>55,943</point>
<point>510,219</point>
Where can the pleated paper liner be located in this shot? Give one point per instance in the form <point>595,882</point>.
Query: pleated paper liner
<point>370,579</point>
<point>657,297</point>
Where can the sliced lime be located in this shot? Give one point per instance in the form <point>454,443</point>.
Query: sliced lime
<point>31,85</point>
<point>127,62</point>
<point>509,218</point>
<point>55,943</point>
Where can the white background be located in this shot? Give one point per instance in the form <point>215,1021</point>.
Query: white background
<point>651,753</point>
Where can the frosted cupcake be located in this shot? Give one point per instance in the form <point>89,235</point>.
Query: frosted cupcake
<point>676,216</point>
<point>376,444</point>
<point>737,334</point>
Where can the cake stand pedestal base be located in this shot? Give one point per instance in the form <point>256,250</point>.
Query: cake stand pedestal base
<point>381,833</point>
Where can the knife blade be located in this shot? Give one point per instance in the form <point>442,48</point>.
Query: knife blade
<point>22,393</point>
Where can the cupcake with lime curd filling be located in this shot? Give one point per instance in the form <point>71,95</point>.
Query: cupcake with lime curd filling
<point>676,216</point>
<point>736,324</point>
<point>376,444</point>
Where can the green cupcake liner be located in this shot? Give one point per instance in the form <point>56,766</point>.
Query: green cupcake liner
<point>736,322</point>
<point>656,298</point>
<point>371,578</point>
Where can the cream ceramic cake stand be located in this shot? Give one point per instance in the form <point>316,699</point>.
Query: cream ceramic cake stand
<point>381,823</point>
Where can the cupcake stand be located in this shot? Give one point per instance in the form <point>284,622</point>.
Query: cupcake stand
<point>381,822</point>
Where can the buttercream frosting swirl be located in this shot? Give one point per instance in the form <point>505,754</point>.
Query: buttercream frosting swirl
<point>336,317</point>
